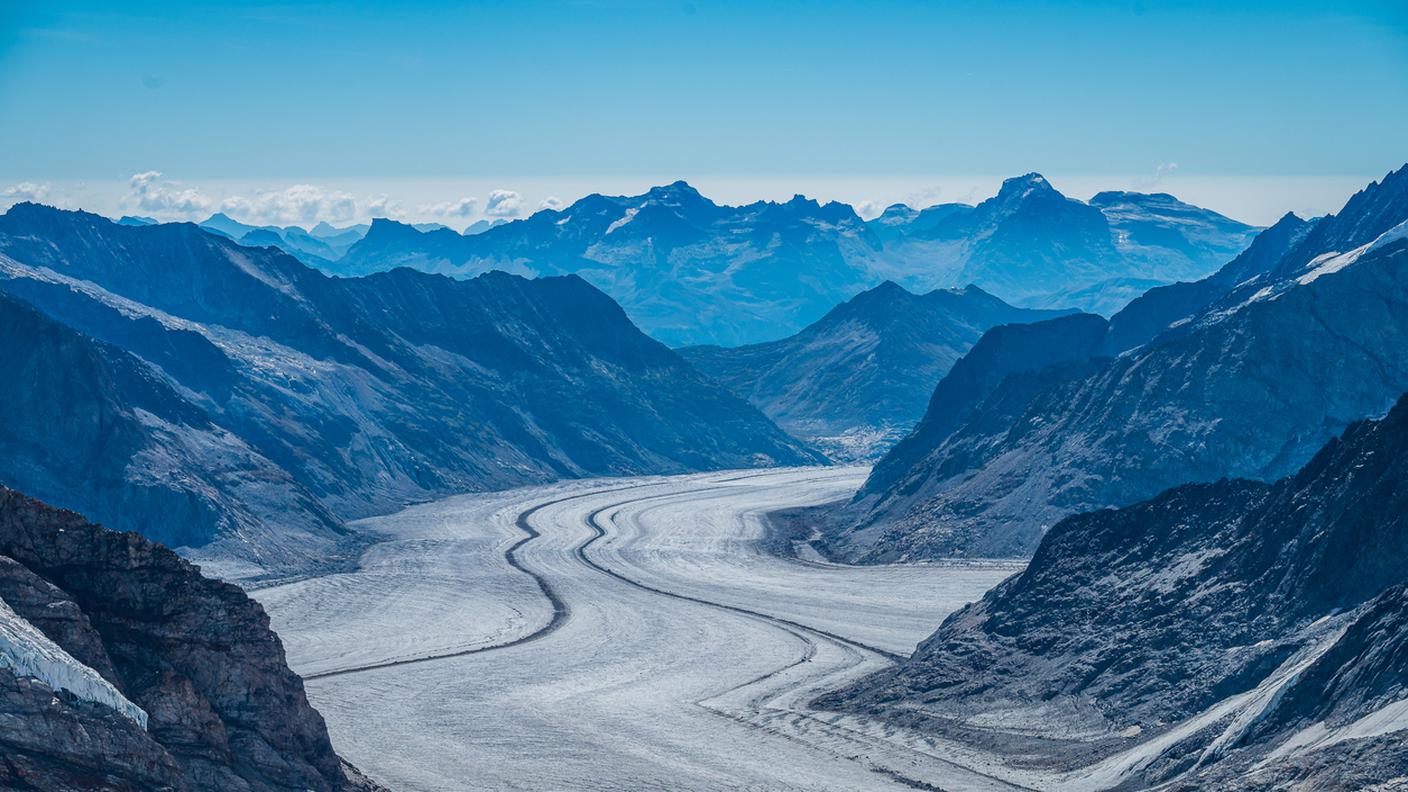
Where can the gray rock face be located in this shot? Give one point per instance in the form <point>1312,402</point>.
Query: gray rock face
<point>1244,374</point>
<point>263,402</point>
<point>1243,621</point>
<point>859,377</point>
<point>224,711</point>
<point>692,272</point>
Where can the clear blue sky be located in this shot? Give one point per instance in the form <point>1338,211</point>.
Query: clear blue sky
<point>245,97</point>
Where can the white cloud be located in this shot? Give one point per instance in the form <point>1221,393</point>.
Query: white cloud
<point>924,197</point>
<point>463,207</point>
<point>552,202</point>
<point>1161,172</point>
<point>869,210</point>
<point>503,203</point>
<point>301,204</point>
<point>24,191</point>
<point>154,195</point>
<point>382,206</point>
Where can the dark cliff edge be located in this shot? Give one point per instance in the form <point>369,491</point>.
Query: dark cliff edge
<point>223,710</point>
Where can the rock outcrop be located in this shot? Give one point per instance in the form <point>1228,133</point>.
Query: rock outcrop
<point>223,711</point>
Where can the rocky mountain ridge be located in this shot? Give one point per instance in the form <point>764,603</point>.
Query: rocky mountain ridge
<point>1215,629</point>
<point>690,271</point>
<point>1245,373</point>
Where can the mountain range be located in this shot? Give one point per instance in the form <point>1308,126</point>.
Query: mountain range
<point>859,378</point>
<point>319,246</point>
<point>217,396</point>
<point>1231,635</point>
<point>1245,373</point>
<point>1033,246</point>
<point>689,271</point>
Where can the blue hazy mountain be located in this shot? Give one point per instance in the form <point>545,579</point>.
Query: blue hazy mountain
<point>859,378</point>
<point>135,220</point>
<point>1245,373</point>
<point>686,269</point>
<point>339,238</point>
<point>316,248</point>
<point>1246,625</point>
<point>480,226</point>
<point>689,271</point>
<point>262,396</point>
<point>1033,246</point>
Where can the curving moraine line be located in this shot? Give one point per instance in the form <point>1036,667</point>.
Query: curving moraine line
<point>594,522</point>
<point>560,609</point>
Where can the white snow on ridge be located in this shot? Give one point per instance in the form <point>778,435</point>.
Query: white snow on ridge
<point>628,217</point>
<point>1334,262</point>
<point>29,653</point>
<point>1385,720</point>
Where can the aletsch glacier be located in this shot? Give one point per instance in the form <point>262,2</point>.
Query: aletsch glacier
<point>663,631</point>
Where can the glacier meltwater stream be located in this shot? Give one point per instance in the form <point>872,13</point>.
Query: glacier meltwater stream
<point>617,634</point>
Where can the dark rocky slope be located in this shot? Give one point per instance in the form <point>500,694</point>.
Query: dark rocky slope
<point>1243,374</point>
<point>223,710</point>
<point>859,377</point>
<point>92,427</point>
<point>1215,627</point>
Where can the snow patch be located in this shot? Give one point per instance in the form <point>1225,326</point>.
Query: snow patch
<point>1334,262</point>
<point>29,653</point>
<point>628,217</point>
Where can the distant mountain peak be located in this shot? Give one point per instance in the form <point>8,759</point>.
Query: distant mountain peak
<point>677,187</point>
<point>1019,187</point>
<point>879,297</point>
<point>1108,197</point>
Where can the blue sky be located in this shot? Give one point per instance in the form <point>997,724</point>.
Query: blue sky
<point>412,107</point>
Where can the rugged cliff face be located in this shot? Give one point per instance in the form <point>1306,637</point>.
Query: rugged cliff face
<point>1214,627</point>
<point>222,710</point>
<point>1244,374</point>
